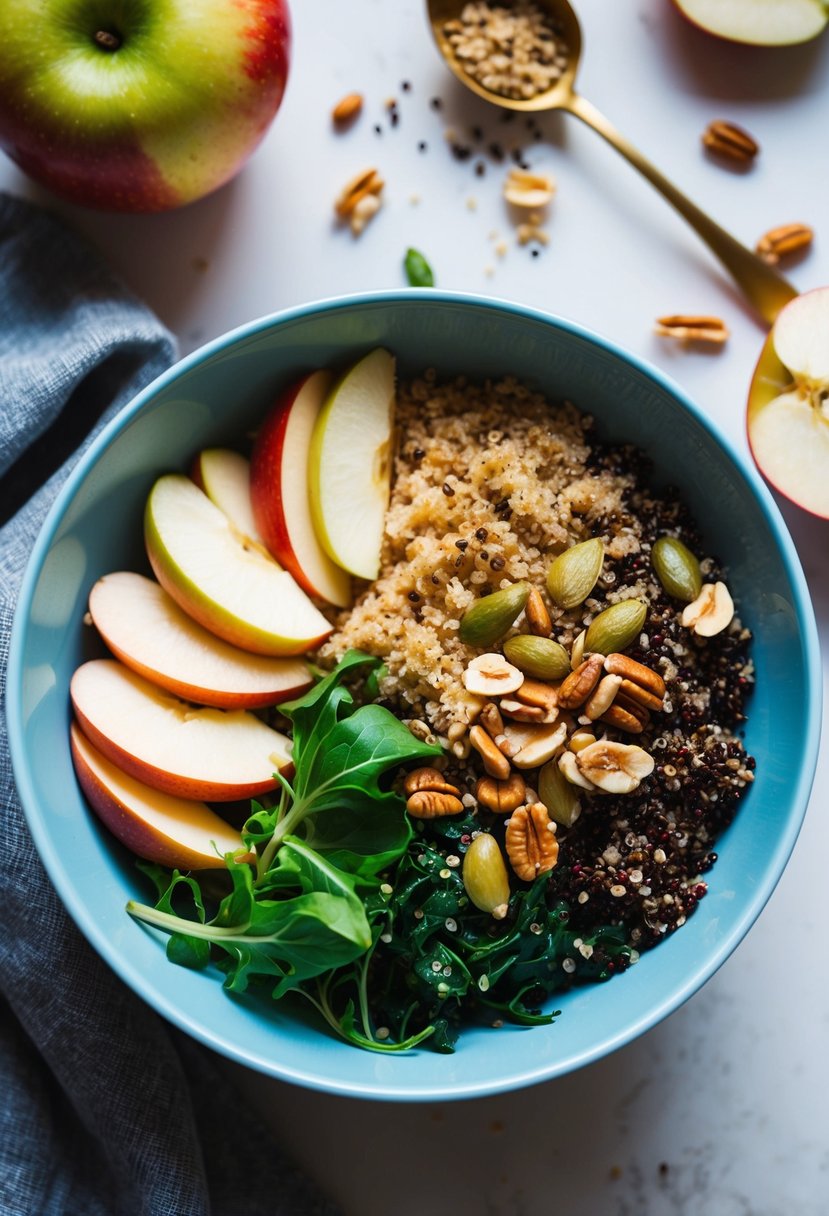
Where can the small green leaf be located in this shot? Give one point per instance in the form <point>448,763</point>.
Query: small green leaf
<point>418,271</point>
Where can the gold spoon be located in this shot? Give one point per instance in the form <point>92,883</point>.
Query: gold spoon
<point>762,286</point>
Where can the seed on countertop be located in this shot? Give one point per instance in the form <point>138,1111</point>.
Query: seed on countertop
<point>693,328</point>
<point>347,109</point>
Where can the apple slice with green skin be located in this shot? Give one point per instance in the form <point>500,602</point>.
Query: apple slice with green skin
<point>788,403</point>
<point>146,630</point>
<point>221,578</point>
<point>758,22</point>
<point>215,755</point>
<point>174,832</point>
<point>224,476</point>
<point>279,490</point>
<point>349,464</point>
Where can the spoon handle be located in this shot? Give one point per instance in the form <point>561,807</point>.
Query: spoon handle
<point>764,288</point>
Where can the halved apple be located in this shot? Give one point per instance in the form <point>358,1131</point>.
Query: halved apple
<point>349,464</point>
<point>145,628</point>
<point>279,490</point>
<point>216,755</point>
<point>788,403</point>
<point>758,22</point>
<point>224,475</point>
<point>174,832</point>
<point>221,578</point>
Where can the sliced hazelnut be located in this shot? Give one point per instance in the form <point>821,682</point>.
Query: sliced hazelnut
<point>541,749</point>
<point>569,768</point>
<point>711,612</point>
<point>616,768</point>
<point>528,190</point>
<point>490,675</point>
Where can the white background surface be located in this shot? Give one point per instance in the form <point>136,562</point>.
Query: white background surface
<point>722,1108</point>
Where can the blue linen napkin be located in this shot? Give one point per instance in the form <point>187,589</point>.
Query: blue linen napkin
<point>105,1109</point>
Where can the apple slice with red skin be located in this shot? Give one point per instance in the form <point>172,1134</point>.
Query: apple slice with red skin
<point>279,490</point>
<point>788,403</point>
<point>221,578</point>
<point>174,832</point>
<point>145,628</point>
<point>349,464</point>
<point>215,755</point>
<point>224,476</point>
<point>758,22</point>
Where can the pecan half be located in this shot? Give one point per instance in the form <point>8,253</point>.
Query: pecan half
<point>728,140</point>
<point>784,241</point>
<point>627,716</point>
<point>365,183</point>
<point>577,687</point>
<point>430,804</point>
<point>629,669</point>
<point>530,840</point>
<point>428,779</point>
<point>502,797</point>
<point>692,328</point>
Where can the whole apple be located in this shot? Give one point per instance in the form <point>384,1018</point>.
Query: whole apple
<point>138,105</point>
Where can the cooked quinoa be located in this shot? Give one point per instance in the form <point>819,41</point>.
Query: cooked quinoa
<point>490,482</point>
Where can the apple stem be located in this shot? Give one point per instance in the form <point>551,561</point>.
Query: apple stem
<point>106,40</point>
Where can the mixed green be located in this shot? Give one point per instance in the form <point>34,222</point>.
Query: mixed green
<point>335,897</point>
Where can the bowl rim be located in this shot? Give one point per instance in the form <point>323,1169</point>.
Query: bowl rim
<point>777,859</point>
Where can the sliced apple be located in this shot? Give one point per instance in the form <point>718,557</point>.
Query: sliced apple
<point>279,490</point>
<point>758,22</point>
<point>145,628</point>
<point>224,476</point>
<point>788,403</point>
<point>216,755</point>
<point>349,464</point>
<point>221,578</point>
<point>174,832</point>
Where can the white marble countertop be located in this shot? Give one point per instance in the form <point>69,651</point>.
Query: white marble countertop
<point>721,1109</point>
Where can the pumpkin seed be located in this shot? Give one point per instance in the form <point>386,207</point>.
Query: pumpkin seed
<point>577,653</point>
<point>539,657</point>
<point>485,876</point>
<point>573,574</point>
<point>677,569</point>
<point>558,795</point>
<point>616,627</point>
<point>489,618</point>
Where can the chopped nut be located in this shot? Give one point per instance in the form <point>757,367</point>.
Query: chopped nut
<point>541,749</point>
<point>529,190</point>
<point>538,618</point>
<point>491,719</point>
<point>428,779</point>
<point>616,768</point>
<point>602,697</point>
<point>580,739</point>
<point>531,232</point>
<point>429,804</point>
<point>568,765</point>
<point>536,692</point>
<point>730,141</point>
<point>360,199</point>
<point>490,675</point>
<point>784,241</point>
<point>495,762</point>
<point>711,612</point>
<point>578,686</point>
<point>521,712</point>
<point>577,652</point>
<point>531,842</point>
<point>693,329</point>
<point>501,796</point>
<point>347,109</point>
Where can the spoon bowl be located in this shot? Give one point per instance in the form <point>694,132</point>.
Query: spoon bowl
<point>762,286</point>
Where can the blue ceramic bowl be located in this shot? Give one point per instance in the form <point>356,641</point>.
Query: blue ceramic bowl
<point>219,393</point>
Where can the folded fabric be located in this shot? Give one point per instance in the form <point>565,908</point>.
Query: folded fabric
<point>105,1109</point>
